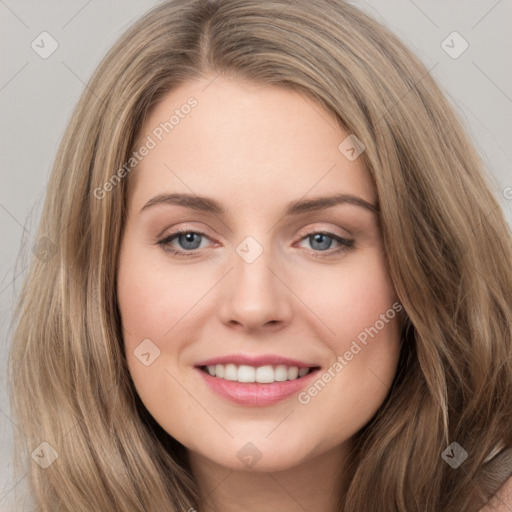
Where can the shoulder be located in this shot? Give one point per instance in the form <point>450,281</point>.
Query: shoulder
<point>501,501</point>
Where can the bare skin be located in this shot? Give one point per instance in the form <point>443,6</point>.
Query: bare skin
<point>254,149</point>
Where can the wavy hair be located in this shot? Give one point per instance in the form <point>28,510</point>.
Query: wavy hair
<point>447,243</point>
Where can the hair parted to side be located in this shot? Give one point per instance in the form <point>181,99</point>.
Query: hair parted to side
<point>447,243</point>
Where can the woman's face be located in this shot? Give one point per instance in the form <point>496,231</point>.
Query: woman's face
<point>265,283</point>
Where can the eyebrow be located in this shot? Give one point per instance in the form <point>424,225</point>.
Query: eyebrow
<point>209,205</point>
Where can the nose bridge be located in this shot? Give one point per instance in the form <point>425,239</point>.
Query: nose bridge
<point>252,274</point>
<point>255,296</point>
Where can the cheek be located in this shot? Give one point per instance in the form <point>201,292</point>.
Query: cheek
<point>151,298</point>
<point>352,299</point>
<point>362,315</point>
<point>362,328</point>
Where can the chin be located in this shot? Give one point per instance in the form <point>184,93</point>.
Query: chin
<point>269,462</point>
<point>258,455</point>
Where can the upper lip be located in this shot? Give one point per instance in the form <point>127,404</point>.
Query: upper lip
<point>256,361</point>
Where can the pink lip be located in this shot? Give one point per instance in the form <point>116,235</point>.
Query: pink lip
<point>264,360</point>
<point>254,394</point>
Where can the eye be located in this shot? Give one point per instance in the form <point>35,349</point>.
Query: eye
<point>321,241</point>
<point>190,241</point>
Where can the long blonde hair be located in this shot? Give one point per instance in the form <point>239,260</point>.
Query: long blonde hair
<point>447,243</point>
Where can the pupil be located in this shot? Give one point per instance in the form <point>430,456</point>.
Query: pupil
<point>319,237</point>
<point>187,239</point>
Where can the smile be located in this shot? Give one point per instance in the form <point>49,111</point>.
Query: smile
<point>256,381</point>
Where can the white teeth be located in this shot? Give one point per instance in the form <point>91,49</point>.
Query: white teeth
<point>293,373</point>
<point>219,370</point>
<point>281,373</point>
<point>246,373</point>
<point>230,372</point>
<point>262,374</point>
<point>265,374</point>
<point>303,371</point>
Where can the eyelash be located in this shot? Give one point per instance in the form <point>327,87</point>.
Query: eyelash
<point>345,244</point>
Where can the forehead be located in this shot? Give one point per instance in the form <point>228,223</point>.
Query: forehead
<point>241,142</point>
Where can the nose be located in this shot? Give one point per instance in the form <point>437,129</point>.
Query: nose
<point>255,294</point>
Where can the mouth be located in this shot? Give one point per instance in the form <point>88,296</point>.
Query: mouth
<point>256,382</point>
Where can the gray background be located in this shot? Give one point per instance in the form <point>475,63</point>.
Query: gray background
<point>37,97</point>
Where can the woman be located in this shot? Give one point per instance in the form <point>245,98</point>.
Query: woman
<point>258,370</point>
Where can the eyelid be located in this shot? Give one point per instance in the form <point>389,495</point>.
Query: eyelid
<point>319,227</point>
<point>183,227</point>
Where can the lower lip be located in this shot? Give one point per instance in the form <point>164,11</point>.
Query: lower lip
<point>254,394</point>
